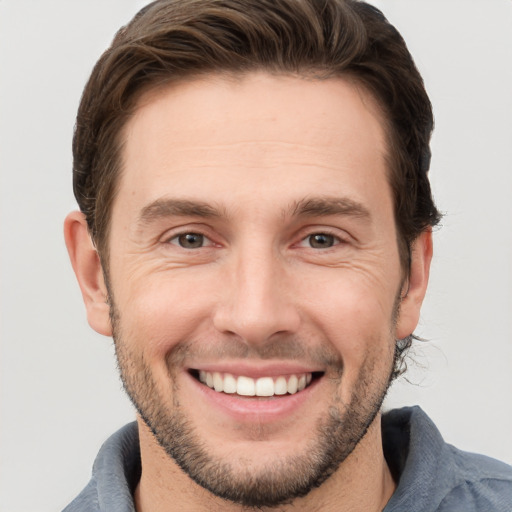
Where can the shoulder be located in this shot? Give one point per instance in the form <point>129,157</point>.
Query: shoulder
<point>435,476</point>
<point>115,475</point>
<point>483,484</point>
<point>87,500</point>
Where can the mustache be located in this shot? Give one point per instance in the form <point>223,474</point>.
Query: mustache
<point>277,348</point>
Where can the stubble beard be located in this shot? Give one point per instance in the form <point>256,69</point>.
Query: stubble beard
<point>281,480</point>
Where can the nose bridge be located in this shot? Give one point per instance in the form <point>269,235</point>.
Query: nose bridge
<point>257,303</point>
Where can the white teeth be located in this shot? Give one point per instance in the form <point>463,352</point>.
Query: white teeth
<point>229,383</point>
<point>265,386</point>
<point>293,382</point>
<point>280,386</point>
<point>246,386</point>
<point>218,382</point>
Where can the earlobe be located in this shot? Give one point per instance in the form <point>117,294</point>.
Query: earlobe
<point>87,266</point>
<point>416,286</point>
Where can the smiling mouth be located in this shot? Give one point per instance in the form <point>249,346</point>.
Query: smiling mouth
<point>261,387</point>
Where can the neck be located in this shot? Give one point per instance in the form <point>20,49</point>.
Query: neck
<point>362,482</point>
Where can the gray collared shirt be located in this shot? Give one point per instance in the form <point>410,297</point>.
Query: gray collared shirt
<point>432,475</point>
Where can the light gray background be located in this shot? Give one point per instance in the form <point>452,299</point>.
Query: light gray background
<point>60,395</point>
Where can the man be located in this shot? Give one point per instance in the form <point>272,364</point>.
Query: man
<point>255,234</point>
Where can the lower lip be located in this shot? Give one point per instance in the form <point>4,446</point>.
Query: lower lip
<point>259,409</point>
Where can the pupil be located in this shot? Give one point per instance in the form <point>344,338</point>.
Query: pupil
<point>321,241</point>
<point>191,240</point>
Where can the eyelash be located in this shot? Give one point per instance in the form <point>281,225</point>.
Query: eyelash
<point>180,238</point>
<point>336,240</point>
<point>175,240</point>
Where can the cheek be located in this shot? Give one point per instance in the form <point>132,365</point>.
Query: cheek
<point>356,316</point>
<point>160,312</point>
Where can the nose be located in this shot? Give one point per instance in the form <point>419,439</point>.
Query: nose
<point>257,301</point>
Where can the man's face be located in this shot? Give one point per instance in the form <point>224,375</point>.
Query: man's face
<point>253,247</point>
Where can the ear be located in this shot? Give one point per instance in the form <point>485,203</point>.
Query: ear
<point>87,266</point>
<point>416,285</point>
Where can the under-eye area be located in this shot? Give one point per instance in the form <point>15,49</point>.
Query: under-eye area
<point>262,387</point>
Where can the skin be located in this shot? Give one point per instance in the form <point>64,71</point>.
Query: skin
<point>260,155</point>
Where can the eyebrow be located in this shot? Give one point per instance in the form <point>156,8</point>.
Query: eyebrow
<point>167,207</point>
<point>324,206</point>
<point>308,207</point>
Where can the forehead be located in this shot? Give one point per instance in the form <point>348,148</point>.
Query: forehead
<point>291,108</point>
<point>263,134</point>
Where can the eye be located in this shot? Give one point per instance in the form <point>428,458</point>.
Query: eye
<point>190,240</point>
<point>320,241</point>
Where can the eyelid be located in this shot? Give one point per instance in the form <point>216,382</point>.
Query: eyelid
<point>176,232</point>
<point>340,236</point>
<point>304,241</point>
<point>174,240</point>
